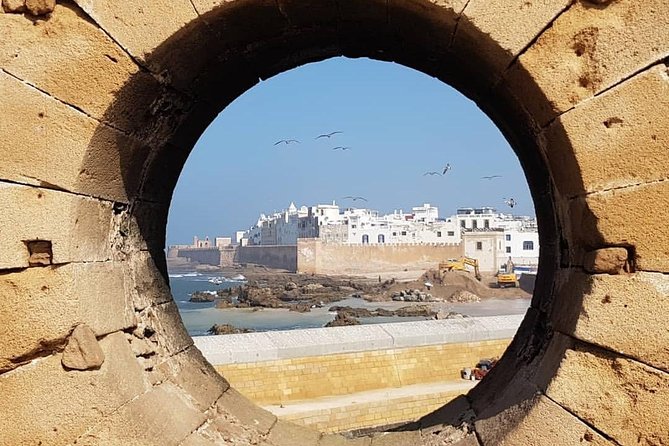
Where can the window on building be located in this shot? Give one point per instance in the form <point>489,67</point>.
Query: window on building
<point>528,245</point>
<point>365,239</point>
<point>404,233</point>
<point>508,250</point>
<point>508,237</point>
<point>394,234</point>
<point>450,233</point>
<point>438,233</point>
<point>382,238</point>
<point>479,246</point>
<point>352,226</point>
<point>486,224</point>
<point>462,224</point>
<point>475,224</point>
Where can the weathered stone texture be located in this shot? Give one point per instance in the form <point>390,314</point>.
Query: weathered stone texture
<point>288,434</point>
<point>16,6</point>
<point>626,217</point>
<point>407,438</point>
<point>190,371</point>
<point>41,306</point>
<point>74,61</point>
<point>606,261</point>
<point>588,49</point>
<point>44,402</point>
<point>496,32</point>
<point>533,429</point>
<point>626,314</point>
<point>165,320</point>
<point>162,416</point>
<point>235,404</point>
<point>40,7</point>
<point>82,351</point>
<point>338,440</point>
<point>78,228</point>
<point>615,140</point>
<point>147,286</point>
<point>88,97</point>
<point>140,26</point>
<point>623,398</point>
<point>83,156</point>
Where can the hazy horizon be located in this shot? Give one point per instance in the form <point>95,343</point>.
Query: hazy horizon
<point>399,124</point>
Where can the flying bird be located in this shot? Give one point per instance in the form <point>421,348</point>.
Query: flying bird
<point>341,148</point>
<point>447,167</point>
<point>355,198</point>
<point>286,141</point>
<point>328,135</point>
<point>490,177</point>
<point>510,202</point>
<point>432,173</point>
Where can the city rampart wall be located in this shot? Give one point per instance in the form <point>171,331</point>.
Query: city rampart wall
<point>317,257</point>
<point>272,256</point>
<point>203,256</point>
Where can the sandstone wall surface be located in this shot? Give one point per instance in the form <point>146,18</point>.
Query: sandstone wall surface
<point>101,102</point>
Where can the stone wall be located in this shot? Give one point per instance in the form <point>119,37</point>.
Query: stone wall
<point>276,368</point>
<point>102,101</point>
<point>316,256</point>
<point>280,256</point>
<point>203,256</point>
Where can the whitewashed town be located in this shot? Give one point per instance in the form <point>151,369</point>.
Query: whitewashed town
<point>482,233</point>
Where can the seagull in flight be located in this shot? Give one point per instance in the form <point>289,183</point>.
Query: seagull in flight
<point>341,148</point>
<point>328,135</point>
<point>510,202</point>
<point>491,177</point>
<point>286,141</point>
<point>431,173</point>
<point>355,198</point>
<point>447,167</point>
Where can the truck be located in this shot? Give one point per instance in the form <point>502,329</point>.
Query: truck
<point>461,264</point>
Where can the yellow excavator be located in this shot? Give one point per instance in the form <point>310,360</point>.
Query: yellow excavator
<point>461,264</point>
<point>508,277</point>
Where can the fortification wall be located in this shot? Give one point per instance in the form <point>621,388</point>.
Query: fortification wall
<point>102,102</point>
<point>203,256</point>
<point>280,256</point>
<point>318,257</point>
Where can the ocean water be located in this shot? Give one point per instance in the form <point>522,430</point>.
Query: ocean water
<point>199,317</point>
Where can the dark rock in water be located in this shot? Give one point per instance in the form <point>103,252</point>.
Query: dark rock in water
<point>202,296</point>
<point>383,312</point>
<point>300,308</point>
<point>224,329</point>
<point>352,311</point>
<point>416,311</point>
<point>224,303</point>
<point>341,320</point>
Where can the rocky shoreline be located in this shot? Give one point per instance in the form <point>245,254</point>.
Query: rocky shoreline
<point>301,293</point>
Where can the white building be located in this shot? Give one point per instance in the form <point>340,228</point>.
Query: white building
<point>515,237</point>
<point>488,236</point>
<point>354,226</point>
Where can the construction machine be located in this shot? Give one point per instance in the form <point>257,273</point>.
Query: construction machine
<point>505,279</point>
<point>461,264</point>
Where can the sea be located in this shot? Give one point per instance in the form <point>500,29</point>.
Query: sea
<point>199,317</point>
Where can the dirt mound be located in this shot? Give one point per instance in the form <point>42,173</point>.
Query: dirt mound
<point>443,286</point>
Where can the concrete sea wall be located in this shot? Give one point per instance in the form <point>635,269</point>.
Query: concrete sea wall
<point>280,256</point>
<point>276,368</point>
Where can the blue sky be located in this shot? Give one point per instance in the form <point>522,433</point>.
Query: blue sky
<point>398,122</point>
